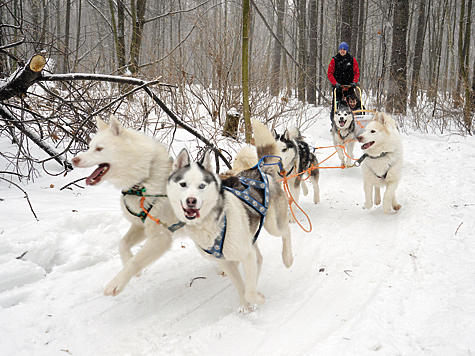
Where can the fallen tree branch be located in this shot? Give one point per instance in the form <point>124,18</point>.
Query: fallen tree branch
<point>23,78</point>
<point>186,127</point>
<point>145,84</point>
<point>9,118</point>
<point>26,196</point>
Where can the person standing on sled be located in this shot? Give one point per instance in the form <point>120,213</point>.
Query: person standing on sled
<point>343,71</point>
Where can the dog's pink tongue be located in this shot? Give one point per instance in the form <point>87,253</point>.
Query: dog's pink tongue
<point>192,213</point>
<point>366,145</point>
<point>95,177</point>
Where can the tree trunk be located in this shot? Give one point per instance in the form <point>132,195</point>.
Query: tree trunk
<point>354,13</point>
<point>397,90</point>
<point>418,52</point>
<point>312,56</point>
<point>277,52</point>
<point>464,43</point>
<point>321,72</point>
<point>66,37</point>
<point>138,21</point>
<point>78,34</point>
<point>302,48</point>
<point>245,69</point>
<point>346,6</point>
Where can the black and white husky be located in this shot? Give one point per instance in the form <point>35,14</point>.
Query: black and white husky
<point>297,158</point>
<point>344,133</point>
<point>223,217</point>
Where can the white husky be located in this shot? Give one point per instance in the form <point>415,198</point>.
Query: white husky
<point>223,225</point>
<point>382,161</point>
<point>140,167</point>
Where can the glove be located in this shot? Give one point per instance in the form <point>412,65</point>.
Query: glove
<point>353,85</point>
<point>337,86</point>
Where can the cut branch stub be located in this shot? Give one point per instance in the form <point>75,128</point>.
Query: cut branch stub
<point>23,78</point>
<point>37,63</point>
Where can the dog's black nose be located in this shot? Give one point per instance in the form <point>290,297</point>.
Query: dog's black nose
<point>359,138</point>
<point>191,201</point>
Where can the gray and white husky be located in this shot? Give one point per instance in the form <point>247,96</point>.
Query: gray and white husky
<point>344,133</point>
<point>382,161</point>
<point>297,158</point>
<point>224,225</point>
<point>140,167</point>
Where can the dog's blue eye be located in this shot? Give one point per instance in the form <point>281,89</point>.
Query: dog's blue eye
<point>183,184</point>
<point>202,186</point>
<point>285,149</point>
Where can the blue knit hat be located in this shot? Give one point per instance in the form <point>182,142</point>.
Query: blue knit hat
<point>344,46</point>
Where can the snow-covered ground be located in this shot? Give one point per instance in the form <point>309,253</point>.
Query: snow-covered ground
<point>362,283</point>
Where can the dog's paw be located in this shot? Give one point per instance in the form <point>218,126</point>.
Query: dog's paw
<point>288,259</point>
<point>114,287</point>
<point>377,201</point>
<point>397,207</point>
<point>368,205</point>
<point>255,298</point>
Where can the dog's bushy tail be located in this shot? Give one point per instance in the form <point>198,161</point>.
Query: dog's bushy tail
<point>266,146</point>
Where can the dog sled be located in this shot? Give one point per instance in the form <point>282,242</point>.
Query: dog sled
<point>362,115</point>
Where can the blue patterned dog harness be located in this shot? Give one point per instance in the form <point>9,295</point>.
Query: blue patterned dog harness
<point>217,249</point>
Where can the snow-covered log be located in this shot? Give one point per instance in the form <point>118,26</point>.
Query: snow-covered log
<point>23,78</point>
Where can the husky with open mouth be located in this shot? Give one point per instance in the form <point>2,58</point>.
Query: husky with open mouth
<point>344,133</point>
<point>381,162</point>
<point>140,167</point>
<point>224,217</point>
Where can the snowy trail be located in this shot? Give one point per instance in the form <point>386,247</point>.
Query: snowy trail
<point>362,282</point>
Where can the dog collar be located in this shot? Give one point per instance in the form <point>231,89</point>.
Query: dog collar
<point>363,157</point>
<point>139,190</point>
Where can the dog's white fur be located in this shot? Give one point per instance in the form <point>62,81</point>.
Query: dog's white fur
<point>192,181</point>
<point>133,158</point>
<point>382,143</point>
<point>344,134</point>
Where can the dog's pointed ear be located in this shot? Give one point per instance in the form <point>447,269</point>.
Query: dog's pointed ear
<point>381,117</point>
<point>101,125</point>
<point>287,135</point>
<point>206,161</point>
<point>276,135</point>
<point>182,160</point>
<point>115,126</point>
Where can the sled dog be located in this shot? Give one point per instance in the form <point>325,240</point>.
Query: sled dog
<point>224,217</point>
<point>381,162</point>
<point>297,158</point>
<point>140,167</point>
<point>344,133</point>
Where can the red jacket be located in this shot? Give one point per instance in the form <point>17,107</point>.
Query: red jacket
<point>331,71</point>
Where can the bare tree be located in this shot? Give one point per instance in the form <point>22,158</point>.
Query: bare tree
<point>277,51</point>
<point>312,53</point>
<point>418,52</point>
<point>397,89</point>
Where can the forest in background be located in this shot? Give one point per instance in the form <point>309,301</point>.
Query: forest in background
<point>417,61</point>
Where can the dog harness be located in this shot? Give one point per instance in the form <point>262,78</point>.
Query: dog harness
<point>217,249</point>
<point>139,190</point>
<point>363,157</point>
